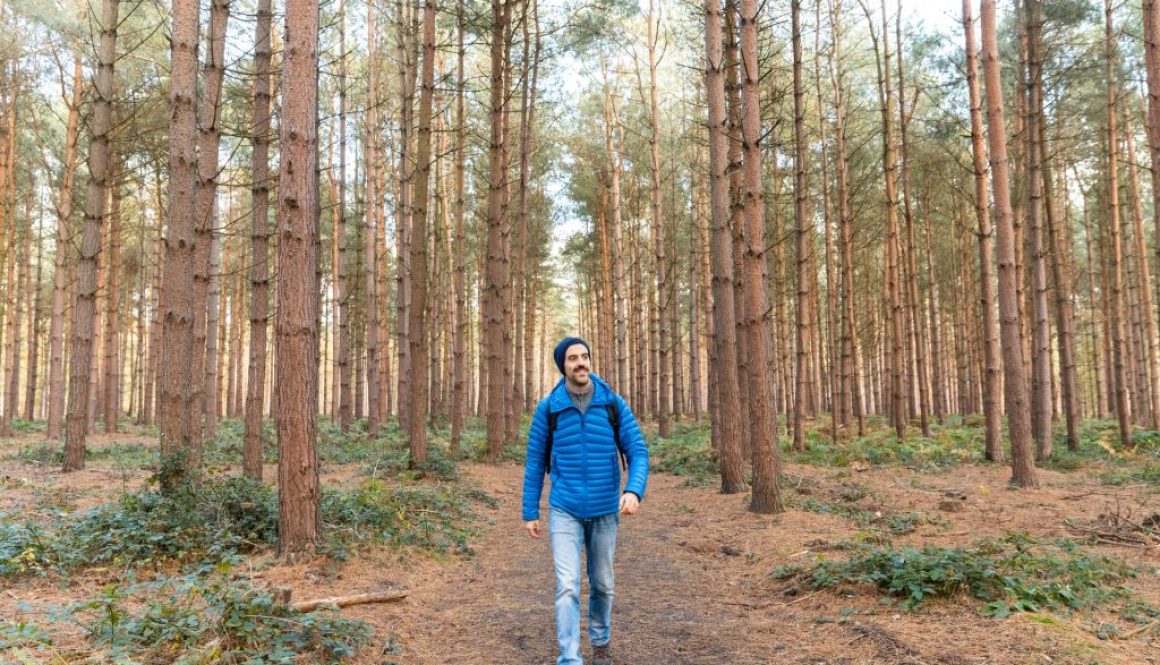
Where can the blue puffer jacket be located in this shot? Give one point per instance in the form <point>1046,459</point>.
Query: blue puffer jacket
<point>585,466</point>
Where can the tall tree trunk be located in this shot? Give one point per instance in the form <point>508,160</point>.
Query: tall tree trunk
<point>12,307</point>
<point>728,407</point>
<point>459,396</point>
<point>917,337</point>
<point>898,405</point>
<point>296,319</point>
<point>61,262</point>
<point>938,394</point>
<point>343,361</point>
<point>374,219</point>
<point>494,291</point>
<point>206,239</point>
<point>527,154</point>
<point>736,216</point>
<point>1015,384</point>
<point>1042,408</point>
<point>1100,388</point>
<point>766,497</point>
<point>151,392</point>
<point>1061,275</point>
<point>804,229</point>
<point>112,402</point>
<point>403,216</point>
<point>417,431</point>
<point>1119,344</point>
<point>34,317</point>
<point>612,124</point>
<point>81,354</point>
<point>17,267</point>
<point>664,407</point>
<point>851,402</point>
<point>1152,67</point>
<point>1150,338</point>
<point>259,245</point>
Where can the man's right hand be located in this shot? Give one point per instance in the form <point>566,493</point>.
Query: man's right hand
<point>533,528</point>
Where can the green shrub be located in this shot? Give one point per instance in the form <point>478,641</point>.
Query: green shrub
<point>1013,574</point>
<point>1148,474</point>
<point>686,452</point>
<point>429,517</point>
<point>229,441</point>
<point>218,618</point>
<point>947,447</point>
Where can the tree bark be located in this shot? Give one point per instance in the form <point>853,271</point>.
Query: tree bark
<point>1150,339</point>
<point>1152,74</point>
<point>374,219</point>
<point>81,354</point>
<point>898,405</point>
<point>612,124</point>
<point>664,387</point>
<point>459,396</point>
<point>1042,407</point>
<point>1064,307</point>
<point>803,232</point>
<point>296,320</point>
<point>17,267</point>
<point>62,263</point>
<point>917,337</point>
<point>728,407</point>
<point>766,497</point>
<point>206,239</point>
<point>850,401</point>
<point>1015,385</point>
<point>259,245</point>
<point>417,430</point>
<point>494,285</point>
<point>1119,345</point>
<point>112,386</point>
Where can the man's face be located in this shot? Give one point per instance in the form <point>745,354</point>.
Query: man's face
<point>577,364</point>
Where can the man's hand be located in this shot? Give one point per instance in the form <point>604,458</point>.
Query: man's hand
<point>533,528</point>
<point>629,504</point>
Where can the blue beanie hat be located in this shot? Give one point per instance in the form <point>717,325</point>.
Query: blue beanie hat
<point>562,349</point>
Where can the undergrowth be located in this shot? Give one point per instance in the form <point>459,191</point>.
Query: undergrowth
<point>686,453</point>
<point>208,616</point>
<point>218,517</point>
<point>1012,574</point>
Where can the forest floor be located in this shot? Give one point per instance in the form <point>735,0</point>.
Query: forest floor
<point>700,580</point>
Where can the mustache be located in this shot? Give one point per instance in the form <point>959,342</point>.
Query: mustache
<point>579,367</point>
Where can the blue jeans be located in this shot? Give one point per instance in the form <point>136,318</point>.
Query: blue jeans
<point>569,537</point>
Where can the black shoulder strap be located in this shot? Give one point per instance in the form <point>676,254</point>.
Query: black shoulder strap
<point>614,419</point>
<point>553,416</point>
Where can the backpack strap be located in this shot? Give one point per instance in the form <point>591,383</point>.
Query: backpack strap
<point>553,416</point>
<point>613,410</point>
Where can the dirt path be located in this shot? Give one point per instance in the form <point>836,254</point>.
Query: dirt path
<point>693,588</point>
<point>498,607</point>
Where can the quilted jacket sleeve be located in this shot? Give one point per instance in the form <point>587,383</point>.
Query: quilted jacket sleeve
<point>635,449</point>
<point>534,466</point>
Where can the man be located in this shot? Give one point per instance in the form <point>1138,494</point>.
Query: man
<point>577,436</point>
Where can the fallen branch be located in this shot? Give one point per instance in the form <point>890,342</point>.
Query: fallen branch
<point>1117,494</point>
<point>347,601</point>
<point>1142,629</point>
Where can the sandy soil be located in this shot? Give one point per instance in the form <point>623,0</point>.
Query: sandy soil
<point>693,582</point>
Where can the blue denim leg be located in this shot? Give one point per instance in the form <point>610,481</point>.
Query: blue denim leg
<point>600,541</point>
<point>567,534</point>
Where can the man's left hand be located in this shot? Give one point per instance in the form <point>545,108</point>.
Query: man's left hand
<point>629,504</point>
